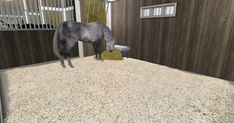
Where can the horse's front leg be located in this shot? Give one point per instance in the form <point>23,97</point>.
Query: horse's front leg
<point>95,48</point>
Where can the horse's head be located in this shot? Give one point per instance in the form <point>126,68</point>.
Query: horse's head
<point>110,45</point>
<point>110,41</point>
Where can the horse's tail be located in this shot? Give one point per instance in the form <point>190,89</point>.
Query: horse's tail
<point>55,42</point>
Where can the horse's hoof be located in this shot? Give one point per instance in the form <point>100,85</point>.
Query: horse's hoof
<point>70,65</point>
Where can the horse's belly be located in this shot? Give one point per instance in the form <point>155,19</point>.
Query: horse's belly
<point>85,40</point>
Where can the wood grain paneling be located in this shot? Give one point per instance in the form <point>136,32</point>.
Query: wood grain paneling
<point>18,48</point>
<point>198,39</point>
<point>228,66</point>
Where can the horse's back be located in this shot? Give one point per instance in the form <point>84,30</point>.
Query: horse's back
<point>87,32</point>
<point>71,25</point>
<point>70,32</point>
<point>93,31</point>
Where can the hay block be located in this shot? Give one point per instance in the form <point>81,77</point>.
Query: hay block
<point>114,55</point>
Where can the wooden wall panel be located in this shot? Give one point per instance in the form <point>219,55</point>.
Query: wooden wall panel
<point>228,66</point>
<point>196,32</point>
<point>213,37</point>
<point>194,40</point>
<point>18,48</point>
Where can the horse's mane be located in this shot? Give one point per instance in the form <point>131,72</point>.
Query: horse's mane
<point>106,28</point>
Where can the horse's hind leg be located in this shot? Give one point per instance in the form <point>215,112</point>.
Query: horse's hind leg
<point>69,62</point>
<point>68,56</point>
<point>62,62</point>
<point>62,52</point>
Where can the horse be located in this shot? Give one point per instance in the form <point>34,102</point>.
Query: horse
<point>70,32</point>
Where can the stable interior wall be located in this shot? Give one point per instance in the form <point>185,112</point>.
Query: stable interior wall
<point>199,39</point>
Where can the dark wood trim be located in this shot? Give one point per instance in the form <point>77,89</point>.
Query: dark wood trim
<point>19,48</point>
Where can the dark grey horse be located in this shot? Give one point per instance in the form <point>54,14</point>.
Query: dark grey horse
<point>69,32</point>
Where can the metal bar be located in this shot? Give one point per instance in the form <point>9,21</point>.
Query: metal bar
<point>72,10</point>
<point>7,13</point>
<point>25,11</point>
<point>18,13</point>
<point>78,10</point>
<point>78,19</point>
<point>108,15</point>
<point>12,13</point>
<point>35,13</point>
<point>106,7</point>
<point>21,12</point>
<point>14,17</point>
<point>57,13</point>
<point>31,16</point>
<point>67,10</point>
<point>1,18</point>
<point>1,12</point>
<point>47,13</point>
<point>51,5</point>
<point>60,16</point>
<point>63,10</point>
<point>36,7</point>
<point>41,13</point>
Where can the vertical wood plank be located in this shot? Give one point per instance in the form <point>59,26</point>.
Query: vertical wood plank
<point>228,66</point>
<point>189,28</point>
<point>207,31</point>
<point>196,33</point>
<point>226,38</point>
